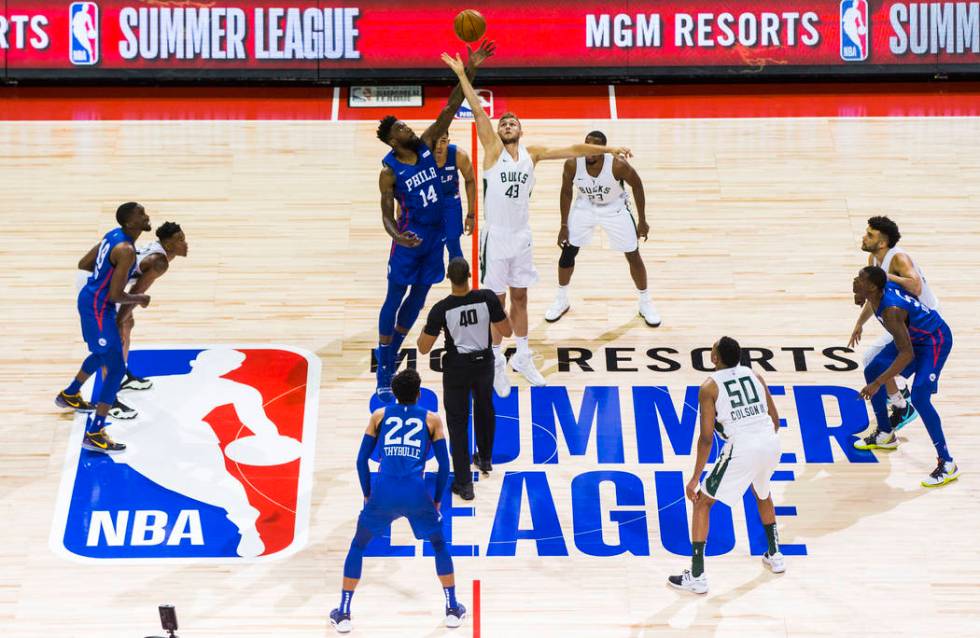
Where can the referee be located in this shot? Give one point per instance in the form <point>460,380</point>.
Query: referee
<point>467,368</point>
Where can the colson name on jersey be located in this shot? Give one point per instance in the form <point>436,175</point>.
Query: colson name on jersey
<point>420,178</point>
<point>747,411</point>
<point>513,176</point>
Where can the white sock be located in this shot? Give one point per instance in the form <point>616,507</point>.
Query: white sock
<point>497,353</point>
<point>563,292</point>
<point>644,294</point>
<point>897,400</point>
<point>522,346</point>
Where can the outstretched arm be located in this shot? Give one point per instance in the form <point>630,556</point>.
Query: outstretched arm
<point>539,153</point>
<point>492,146</point>
<point>441,125</point>
<point>624,172</point>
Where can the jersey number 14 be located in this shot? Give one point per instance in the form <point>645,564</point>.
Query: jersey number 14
<point>428,196</point>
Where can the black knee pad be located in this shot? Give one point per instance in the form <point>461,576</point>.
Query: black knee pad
<point>567,259</point>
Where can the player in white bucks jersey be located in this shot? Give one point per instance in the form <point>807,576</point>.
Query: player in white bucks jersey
<point>735,404</point>
<point>879,240</point>
<point>598,181</point>
<point>506,249</point>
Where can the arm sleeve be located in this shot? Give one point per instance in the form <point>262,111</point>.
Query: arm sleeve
<point>496,310</point>
<point>434,321</point>
<point>363,473</point>
<point>442,478</point>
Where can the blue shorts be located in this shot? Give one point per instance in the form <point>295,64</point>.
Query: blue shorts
<point>454,218</point>
<point>422,264</point>
<point>99,329</point>
<point>396,497</point>
<point>931,351</point>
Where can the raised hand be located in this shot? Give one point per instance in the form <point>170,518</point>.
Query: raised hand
<point>622,151</point>
<point>486,50</point>
<point>455,64</point>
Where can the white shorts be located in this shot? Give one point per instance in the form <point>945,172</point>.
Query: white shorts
<point>748,459</point>
<point>618,224</point>
<point>876,346</point>
<point>507,260</point>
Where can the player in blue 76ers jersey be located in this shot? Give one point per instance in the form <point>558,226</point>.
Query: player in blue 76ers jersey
<point>115,264</point>
<point>405,432</point>
<point>921,346</point>
<point>451,162</point>
<point>415,263</point>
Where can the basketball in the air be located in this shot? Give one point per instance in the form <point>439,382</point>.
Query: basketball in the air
<point>470,25</point>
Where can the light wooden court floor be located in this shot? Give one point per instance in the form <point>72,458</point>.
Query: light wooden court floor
<point>755,230</point>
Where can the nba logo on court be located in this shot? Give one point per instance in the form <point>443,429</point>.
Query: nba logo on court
<point>218,464</point>
<point>83,34</point>
<point>854,30</point>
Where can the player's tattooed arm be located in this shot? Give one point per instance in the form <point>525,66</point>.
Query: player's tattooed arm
<point>122,258</point>
<point>492,146</point>
<point>88,261</point>
<point>624,172</point>
<point>539,153</point>
<point>565,200</point>
<point>894,321</point>
<point>707,396</point>
<point>905,275</point>
<point>386,183</point>
<point>465,165</point>
<point>441,125</point>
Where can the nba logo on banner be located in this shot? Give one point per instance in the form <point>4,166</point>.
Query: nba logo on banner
<point>486,101</point>
<point>83,34</point>
<point>218,463</point>
<point>854,30</point>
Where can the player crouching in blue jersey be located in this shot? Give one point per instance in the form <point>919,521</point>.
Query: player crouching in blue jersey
<point>406,431</point>
<point>411,175</point>
<point>922,342</point>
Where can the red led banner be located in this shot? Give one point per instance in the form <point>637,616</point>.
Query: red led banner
<point>314,40</point>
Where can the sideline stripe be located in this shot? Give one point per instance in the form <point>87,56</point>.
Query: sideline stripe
<point>476,609</point>
<point>335,106</point>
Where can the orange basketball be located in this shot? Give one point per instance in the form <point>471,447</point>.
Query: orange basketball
<point>470,25</point>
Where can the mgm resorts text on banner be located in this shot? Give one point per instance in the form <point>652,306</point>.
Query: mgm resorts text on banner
<point>369,38</point>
